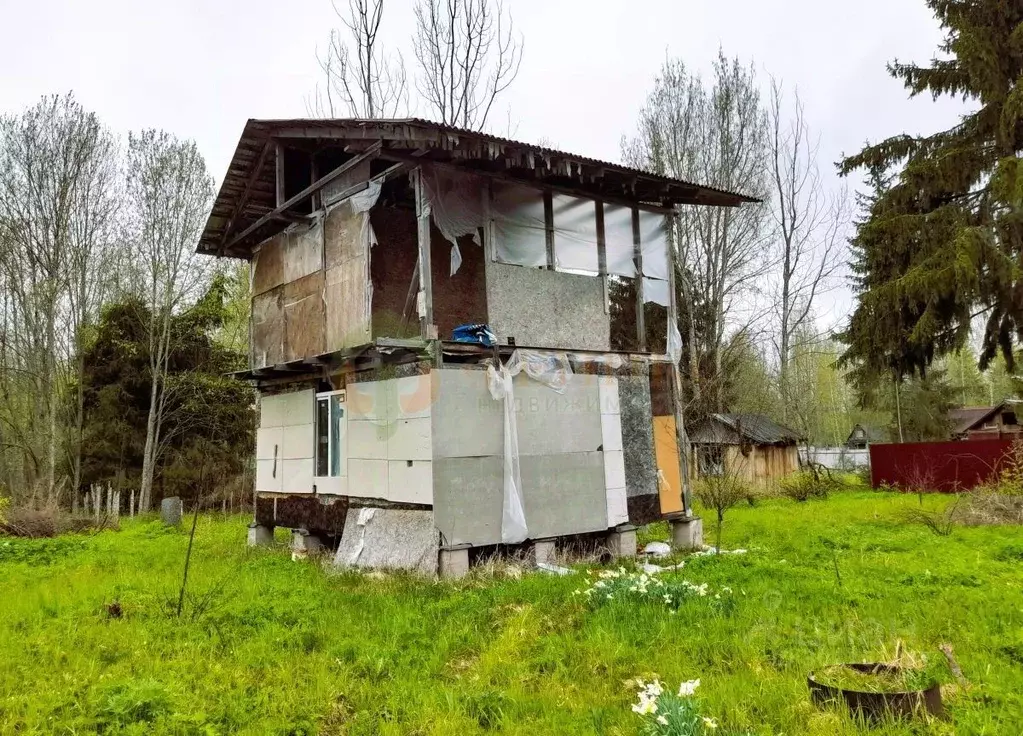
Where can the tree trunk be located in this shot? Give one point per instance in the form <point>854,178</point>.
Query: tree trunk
<point>149,452</point>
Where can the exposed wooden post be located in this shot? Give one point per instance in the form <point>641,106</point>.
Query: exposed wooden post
<point>681,436</point>
<point>313,176</point>
<point>637,258</point>
<point>279,176</point>
<point>316,186</point>
<point>601,241</point>
<point>548,220</point>
<point>427,328</point>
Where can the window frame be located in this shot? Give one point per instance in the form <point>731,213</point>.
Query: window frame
<point>336,451</point>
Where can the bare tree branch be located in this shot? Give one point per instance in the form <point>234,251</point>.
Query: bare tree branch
<point>468,54</point>
<point>359,79</point>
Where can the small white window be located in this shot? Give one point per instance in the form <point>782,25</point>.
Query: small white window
<point>331,432</point>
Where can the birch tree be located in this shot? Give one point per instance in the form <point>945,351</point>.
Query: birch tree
<point>359,78</point>
<point>714,133</point>
<point>169,194</point>
<point>809,230</point>
<point>468,54</point>
<point>58,183</point>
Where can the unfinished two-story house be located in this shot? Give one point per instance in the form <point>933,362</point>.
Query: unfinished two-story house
<point>460,342</point>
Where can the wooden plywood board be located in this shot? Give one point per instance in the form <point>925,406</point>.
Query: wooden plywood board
<point>666,450</point>
<point>343,239</point>
<point>267,329</point>
<point>268,265</point>
<point>303,252</point>
<point>304,317</point>
<point>346,296</point>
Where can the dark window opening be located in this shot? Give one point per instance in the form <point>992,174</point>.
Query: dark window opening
<point>710,459</point>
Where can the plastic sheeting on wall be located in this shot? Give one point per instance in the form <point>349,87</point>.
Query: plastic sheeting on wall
<point>575,234</point>
<point>519,225</point>
<point>653,237</point>
<point>361,203</point>
<point>458,205</point>
<point>618,241</point>
<point>655,290</point>
<point>554,371</point>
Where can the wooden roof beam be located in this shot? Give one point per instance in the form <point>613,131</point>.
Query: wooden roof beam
<point>309,191</point>
<point>249,184</point>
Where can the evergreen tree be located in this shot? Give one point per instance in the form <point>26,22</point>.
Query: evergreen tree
<point>209,424</point>
<point>943,235</point>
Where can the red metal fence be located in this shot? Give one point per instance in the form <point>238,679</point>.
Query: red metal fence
<point>937,466</point>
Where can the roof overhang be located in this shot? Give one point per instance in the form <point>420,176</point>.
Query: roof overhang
<point>249,193</point>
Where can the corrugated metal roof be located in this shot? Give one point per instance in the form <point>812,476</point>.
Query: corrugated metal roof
<point>248,189</point>
<point>757,429</point>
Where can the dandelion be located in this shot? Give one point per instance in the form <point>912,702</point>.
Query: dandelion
<point>686,689</point>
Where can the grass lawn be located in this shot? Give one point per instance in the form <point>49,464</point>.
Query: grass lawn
<point>271,646</point>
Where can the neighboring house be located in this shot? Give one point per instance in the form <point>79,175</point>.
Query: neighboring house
<point>984,422</point>
<point>373,244</point>
<point>750,446</point>
<point>863,435</point>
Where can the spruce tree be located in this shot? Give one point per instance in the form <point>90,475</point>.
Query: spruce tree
<point>942,239</point>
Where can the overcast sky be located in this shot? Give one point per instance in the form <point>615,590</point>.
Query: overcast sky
<point>200,68</point>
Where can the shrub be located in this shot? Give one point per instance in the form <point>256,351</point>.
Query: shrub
<point>40,521</point>
<point>722,492</point>
<point>806,484</point>
<point>999,501</point>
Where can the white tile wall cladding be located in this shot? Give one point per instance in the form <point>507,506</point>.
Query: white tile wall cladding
<point>390,440</point>
<point>285,442</point>
<point>614,457</point>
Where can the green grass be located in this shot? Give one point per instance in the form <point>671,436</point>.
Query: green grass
<point>271,646</point>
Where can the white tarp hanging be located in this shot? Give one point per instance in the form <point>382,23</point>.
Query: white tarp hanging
<point>520,232</point>
<point>552,370</point>
<point>618,241</point>
<point>458,205</point>
<point>361,203</point>
<point>653,238</point>
<point>655,290</point>
<point>575,234</point>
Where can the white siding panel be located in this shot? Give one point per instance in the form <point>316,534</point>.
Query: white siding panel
<point>410,483</point>
<point>299,441</point>
<point>367,400</point>
<point>268,438</point>
<point>410,440</point>
<point>614,469</point>
<point>298,475</point>
<point>271,411</point>
<point>300,408</point>
<point>617,507</point>
<point>368,479</point>
<point>265,480</point>
<point>611,432</point>
<point>411,397</point>
<point>367,440</point>
<point>607,387</point>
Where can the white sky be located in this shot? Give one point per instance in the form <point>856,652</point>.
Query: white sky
<point>200,68</point>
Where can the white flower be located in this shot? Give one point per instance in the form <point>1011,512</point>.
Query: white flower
<point>645,706</point>
<point>710,722</point>
<point>687,688</point>
<point>662,720</point>
<point>654,688</point>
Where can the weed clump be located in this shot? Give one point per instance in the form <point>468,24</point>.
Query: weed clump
<point>999,501</point>
<point>35,522</point>
<point>807,484</point>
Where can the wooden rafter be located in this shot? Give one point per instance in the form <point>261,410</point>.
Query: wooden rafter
<point>249,184</point>
<point>308,191</point>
